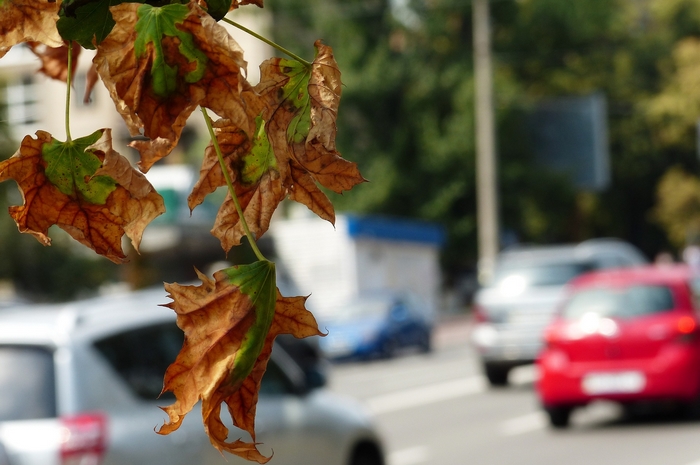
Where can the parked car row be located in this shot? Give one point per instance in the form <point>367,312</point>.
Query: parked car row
<point>598,322</point>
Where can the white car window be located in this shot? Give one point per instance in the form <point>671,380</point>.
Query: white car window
<point>27,385</point>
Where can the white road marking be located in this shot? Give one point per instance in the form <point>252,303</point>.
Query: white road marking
<point>523,424</point>
<point>426,395</point>
<point>410,456</point>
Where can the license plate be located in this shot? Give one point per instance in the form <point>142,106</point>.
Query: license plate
<point>626,382</point>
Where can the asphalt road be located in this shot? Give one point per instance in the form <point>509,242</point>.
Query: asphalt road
<point>437,409</point>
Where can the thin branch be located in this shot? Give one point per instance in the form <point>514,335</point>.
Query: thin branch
<point>69,83</point>
<point>232,191</point>
<point>268,42</point>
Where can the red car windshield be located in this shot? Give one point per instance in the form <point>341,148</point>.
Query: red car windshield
<point>627,302</point>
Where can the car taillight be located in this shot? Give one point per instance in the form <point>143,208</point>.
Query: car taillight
<point>479,313</point>
<point>83,439</point>
<point>687,329</point>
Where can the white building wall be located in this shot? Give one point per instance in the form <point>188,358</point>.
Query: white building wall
<point>332,266</point>
<point>409,266</point>
<point>320,258</point>
<point>48,111</point>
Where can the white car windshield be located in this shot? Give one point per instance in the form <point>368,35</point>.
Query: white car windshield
<point>544,274</point>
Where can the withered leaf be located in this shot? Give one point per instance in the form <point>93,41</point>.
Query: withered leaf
<point>54,60</point>
<point>258,179</point>
<point>84,187</point>
<point>301,109</point>
<point>28,21</point>
<point>160,63</point>
<point>230,323</point>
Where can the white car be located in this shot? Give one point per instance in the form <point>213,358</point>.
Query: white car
<point>79,385</point>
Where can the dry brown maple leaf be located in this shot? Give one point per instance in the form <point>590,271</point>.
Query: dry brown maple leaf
<point>84,187</point>
<point>157,79</point>
<point>258,178</point>
<point>291,152</point>
<point>230,323</point>
<point>301,111</point>
<point>28,21</point>
<point>54,60</point>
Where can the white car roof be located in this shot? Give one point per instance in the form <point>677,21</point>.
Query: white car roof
<point>580,252</point>
<point>91,318</point>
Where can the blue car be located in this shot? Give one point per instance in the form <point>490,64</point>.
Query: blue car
<point>377,325</point>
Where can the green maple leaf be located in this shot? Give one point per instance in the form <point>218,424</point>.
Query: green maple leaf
<point>83,21</point>
<point>217,9</point>
<point>70,167</point>
<point>153,25</point>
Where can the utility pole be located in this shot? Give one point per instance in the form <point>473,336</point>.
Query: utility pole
<point>486,182</point>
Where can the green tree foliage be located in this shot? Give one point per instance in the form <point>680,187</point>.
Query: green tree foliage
<point>409,117</point>
<point>678,206</point>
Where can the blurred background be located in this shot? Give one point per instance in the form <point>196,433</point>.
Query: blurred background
<point>596,116</point>
<point>596,112</point>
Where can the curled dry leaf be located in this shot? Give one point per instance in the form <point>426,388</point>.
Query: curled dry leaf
<point>258,179</point>
<point>84,187</point>
<point>230,323</point>
<point>54,64</point>
<point>291,153</point>
<point>301,110</point>
<point>160,63</point>
<point>28,21</point>
<point>54,60</point>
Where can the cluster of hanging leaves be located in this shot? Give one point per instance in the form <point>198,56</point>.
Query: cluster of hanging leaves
<point>161,61</point>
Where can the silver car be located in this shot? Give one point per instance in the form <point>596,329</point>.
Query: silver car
<point>513,308</point>
<point>79,382</point>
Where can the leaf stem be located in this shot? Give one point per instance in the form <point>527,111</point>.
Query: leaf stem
<point>232,191</point>
<point>69,82</point>
<point>268,42</point>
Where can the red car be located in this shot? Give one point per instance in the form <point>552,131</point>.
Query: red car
<point>625,335</point>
